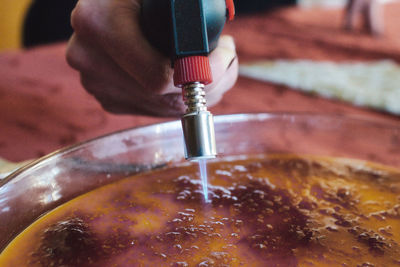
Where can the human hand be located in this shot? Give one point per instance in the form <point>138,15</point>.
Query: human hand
<point>120,68</point>
<point>371,12</point>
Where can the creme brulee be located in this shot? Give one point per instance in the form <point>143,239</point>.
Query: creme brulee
<point>272,210</point>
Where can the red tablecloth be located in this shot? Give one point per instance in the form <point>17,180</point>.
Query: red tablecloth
<point>43,106</point>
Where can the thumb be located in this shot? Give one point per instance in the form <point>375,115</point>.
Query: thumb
<point>224,66</point>
<point>222,57</point>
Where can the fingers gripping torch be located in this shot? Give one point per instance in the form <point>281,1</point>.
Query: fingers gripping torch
<point>187,31</point>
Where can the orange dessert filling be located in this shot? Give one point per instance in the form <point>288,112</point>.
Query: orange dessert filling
<point>272,210</point>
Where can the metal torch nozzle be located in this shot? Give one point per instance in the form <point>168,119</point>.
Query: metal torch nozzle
<point>197,124</point>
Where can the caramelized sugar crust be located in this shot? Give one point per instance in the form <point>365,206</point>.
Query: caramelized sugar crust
<point>272,210</point>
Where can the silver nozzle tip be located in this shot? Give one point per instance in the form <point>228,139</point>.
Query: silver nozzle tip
<point>199,136</point>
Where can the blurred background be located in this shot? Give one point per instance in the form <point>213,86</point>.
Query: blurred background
<point>12,14</point>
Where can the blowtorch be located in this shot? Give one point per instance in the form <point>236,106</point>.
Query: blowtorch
<point>187,31</point>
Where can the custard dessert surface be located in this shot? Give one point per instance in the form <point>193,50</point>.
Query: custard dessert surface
<point>272,210</point>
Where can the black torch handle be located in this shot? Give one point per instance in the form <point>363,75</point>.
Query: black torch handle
<point>181,28</point>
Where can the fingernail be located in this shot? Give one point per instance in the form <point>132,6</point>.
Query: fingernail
<point>228,50</point>
<point>230,63</point>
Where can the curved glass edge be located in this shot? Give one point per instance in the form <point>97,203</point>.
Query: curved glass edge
<point>175,125</point>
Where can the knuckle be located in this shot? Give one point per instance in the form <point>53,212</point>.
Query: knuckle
<point>82,18</point>
<point>76,60</point>
<point>72,58</point>
<point>78,57</point>
<point>77,16</point>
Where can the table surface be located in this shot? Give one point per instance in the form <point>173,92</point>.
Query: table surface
<point>43,107</point>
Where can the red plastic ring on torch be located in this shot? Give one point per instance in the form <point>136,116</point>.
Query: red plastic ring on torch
<point>192,69</point>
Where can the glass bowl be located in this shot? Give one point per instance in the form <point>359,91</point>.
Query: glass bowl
<point>54,179</point>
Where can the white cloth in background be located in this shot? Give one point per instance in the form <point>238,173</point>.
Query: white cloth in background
<point>369,84</point>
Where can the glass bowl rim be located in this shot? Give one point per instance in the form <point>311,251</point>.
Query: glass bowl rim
<point>173,124</point>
